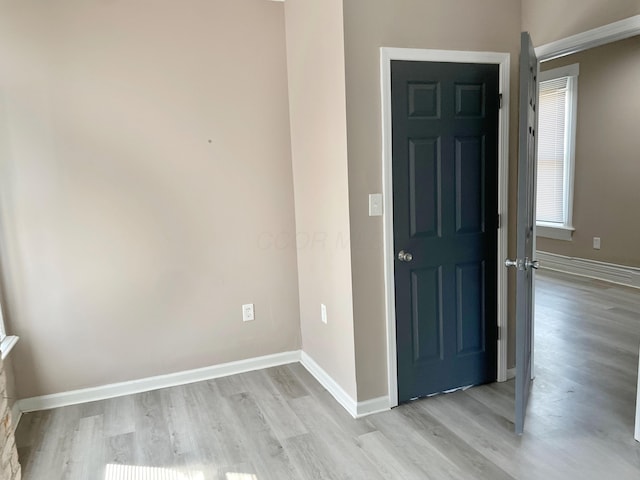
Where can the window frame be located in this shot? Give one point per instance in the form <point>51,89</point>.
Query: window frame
<point>7,342</point>
<point>3,330</point>
<point>564,231</point>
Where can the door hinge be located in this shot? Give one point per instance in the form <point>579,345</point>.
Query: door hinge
<point>499,221</point>
<point>499,334</point>
<point>500,101</point>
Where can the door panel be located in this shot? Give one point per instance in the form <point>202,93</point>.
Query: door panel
<point>470,184</point>
<point>525,226</point>
<point>424,99</point>
<point>470,100</point>
<point>427,314</point>
<point>470,282</point>
<point>445,164</point>
<point>424,171</point>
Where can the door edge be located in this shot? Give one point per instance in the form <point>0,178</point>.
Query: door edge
<point>503,60</point>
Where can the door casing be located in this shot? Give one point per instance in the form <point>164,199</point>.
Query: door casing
<point>452,56</point>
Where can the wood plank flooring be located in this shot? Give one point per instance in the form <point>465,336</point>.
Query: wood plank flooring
<point>280,423</point>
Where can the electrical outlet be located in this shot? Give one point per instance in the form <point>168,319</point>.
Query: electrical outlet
<point>323,313</point>
<point>596,243</point>
<point>247,312</point>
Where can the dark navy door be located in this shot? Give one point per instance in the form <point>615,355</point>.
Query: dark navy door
<point>445,204</point>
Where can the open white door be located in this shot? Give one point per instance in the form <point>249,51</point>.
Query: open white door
<point>525,263</point>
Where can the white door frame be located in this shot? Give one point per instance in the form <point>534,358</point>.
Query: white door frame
<point>453,56</point>
<point>629,27</point>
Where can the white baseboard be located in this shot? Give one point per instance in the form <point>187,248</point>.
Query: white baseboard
<point>375,405</point>
<point>608,272</point>
<point>342,397</point>
<point>511,373</point>
<point>74,397</point>
<point>355,409</point>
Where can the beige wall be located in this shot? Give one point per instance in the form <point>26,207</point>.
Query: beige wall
<point>607,151</point>
<point>551,20</point>
<point>315,55</point>
<point>492,25</point>
<point>144,167</point>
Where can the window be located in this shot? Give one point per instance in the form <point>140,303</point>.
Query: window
<point>557,109</point>
<point>7,342</point>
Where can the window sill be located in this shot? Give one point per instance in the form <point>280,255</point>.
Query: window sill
<point>557,232</point>
<point>7,344</point>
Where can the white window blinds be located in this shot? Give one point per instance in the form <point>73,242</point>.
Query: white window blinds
<point>552,150</point>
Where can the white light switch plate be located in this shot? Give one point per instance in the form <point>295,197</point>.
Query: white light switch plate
<point>375,205</point>
<point>323,313</point>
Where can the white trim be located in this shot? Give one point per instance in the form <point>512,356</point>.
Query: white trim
<point>554,230</point>
<point>511,373</point>
<point>355,409</point>
<point>572,70</point>
<point>3,330</point>
<point>608,272</point>
<point>591,38</point>
<point>74,397</point>
<point>452,56</point>
<point>557,232</point>
<point>341,396</point>
<point>7,344</point>
<point>387,196</point>
<point>16,415</point>
<point>375,405</point>
<point>637,431</point>
<point>503,60</point>
<point>503,209</point>
<point>570,167</point>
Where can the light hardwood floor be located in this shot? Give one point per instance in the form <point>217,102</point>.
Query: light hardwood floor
<point>281,424</point>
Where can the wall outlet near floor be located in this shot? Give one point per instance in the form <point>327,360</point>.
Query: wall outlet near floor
<point>247,312</point>
<point>323,313</point>
<point>596,243</point>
